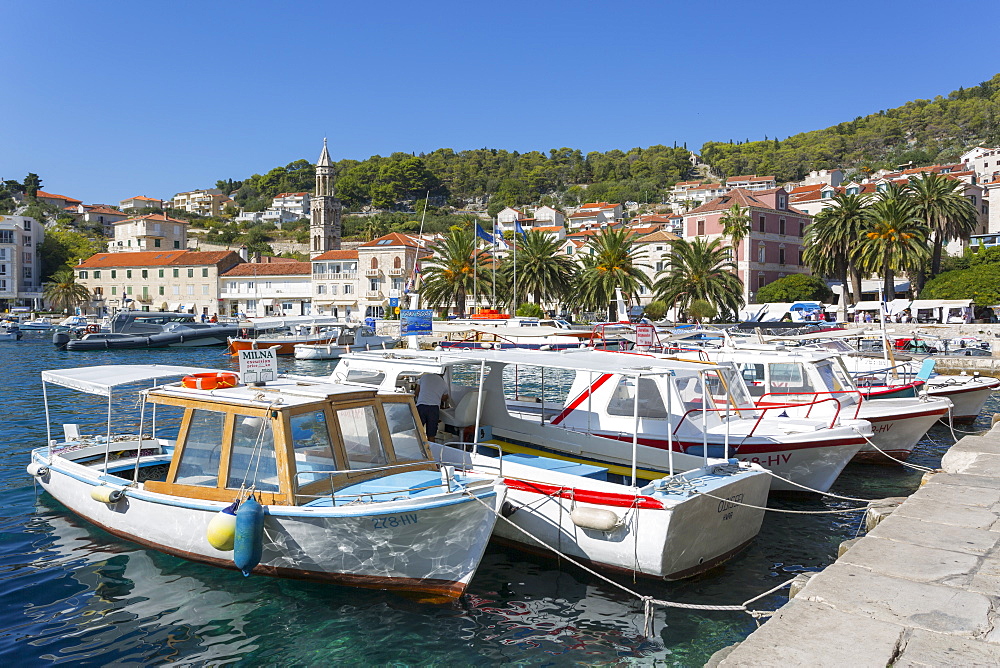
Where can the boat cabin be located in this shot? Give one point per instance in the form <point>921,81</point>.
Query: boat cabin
<point>294,442</point>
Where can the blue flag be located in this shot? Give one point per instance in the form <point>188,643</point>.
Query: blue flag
<point>518,229</point>
<point>483,234</point>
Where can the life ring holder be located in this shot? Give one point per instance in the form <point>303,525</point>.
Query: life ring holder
<point>93,329</point>
<point>210,381</point>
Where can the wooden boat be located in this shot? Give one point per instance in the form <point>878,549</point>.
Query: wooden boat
<point>333,483</point>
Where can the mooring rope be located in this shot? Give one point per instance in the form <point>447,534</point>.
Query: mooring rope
<point>916,467</point>
<point>648,602</point>
<point>784,510</point>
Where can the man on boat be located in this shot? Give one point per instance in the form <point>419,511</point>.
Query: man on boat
<point>432,393</point>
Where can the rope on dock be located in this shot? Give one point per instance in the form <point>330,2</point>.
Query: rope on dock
<point>649,603</point>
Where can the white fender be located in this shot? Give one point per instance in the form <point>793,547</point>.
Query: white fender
<point>600,519</point>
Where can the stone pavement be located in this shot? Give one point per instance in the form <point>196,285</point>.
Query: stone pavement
<point>922,588</point>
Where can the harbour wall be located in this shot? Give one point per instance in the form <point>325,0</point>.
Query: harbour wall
<point>921,588</point>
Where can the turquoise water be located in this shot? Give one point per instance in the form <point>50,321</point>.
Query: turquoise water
<point>75,594</point>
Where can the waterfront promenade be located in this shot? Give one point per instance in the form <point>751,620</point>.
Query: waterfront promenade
<point>922,588</point>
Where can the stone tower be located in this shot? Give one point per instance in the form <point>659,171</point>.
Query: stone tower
<point>324,208</point>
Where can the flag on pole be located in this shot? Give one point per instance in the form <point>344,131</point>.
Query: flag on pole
<point>518,229</point>
<point>484,235</point>
<point>498,241</point>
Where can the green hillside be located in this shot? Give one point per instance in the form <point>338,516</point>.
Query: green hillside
<point>922,131</point>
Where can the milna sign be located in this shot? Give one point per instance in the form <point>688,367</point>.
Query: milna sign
<point>258,366</point>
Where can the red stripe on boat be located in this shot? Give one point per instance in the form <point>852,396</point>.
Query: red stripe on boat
<point>580,399</point>
<point>585,496</point>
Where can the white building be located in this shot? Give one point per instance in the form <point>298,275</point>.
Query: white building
<point>151,232</point>
<point>596,214</point>
<point>209,202</point>
<point>259,289</point>
<point>142,202</point>
<point>548,216</point>
<point>985,162</point>
<point>20,264</point>
<point>335,284</point>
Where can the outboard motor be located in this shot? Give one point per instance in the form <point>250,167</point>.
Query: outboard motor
<point>60,339</point>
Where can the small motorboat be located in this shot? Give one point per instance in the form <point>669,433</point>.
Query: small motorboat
<point>10,332</point>
<point>342,340</point>
<point>295,479</point>
<point>283,334</point>
<point>147,329</point>
<point>36,325</point>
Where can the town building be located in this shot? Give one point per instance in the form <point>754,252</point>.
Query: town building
<point>335,283</point>
<point>140,202</point>
<point>97,214</point>
<point>595,214</point>
<point>151,232</point>
<point>273,288</point>
<point>21,238</point>
<point>985,162</point>
<point>60,201</point>
<point>324,208</point>
<point>209,202</point>
<point>170,280</point>
<point>773,247</point>
<point>654,252</point>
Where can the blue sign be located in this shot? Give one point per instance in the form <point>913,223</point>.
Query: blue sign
<point>416,322</point>
<point>393,302</point>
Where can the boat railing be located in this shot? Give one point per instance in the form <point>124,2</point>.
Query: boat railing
<point>815,399</point>
<point>446,479</point>
<point>763,413</point>
<point>878,377</point>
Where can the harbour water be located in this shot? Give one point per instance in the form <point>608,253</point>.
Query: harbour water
<point>75,594</point>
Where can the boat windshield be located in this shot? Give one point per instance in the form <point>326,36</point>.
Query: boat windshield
<point>650,400</point>
<point>252,461</point>
<point>362,442</point>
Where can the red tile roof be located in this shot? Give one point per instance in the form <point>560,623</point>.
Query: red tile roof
<point>155,217</point>
<point>552,228</point>
<point>147,199</point>
<point>291,195</point>
<point>659,235</point>
<point>46,195</point>
<point>337,255</point>
<point>738,196</point>
<point>271,269</point>
<point>395,239</point>
<point>159,259</point>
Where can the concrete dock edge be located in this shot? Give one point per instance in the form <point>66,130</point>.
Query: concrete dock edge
<point>921,588</point>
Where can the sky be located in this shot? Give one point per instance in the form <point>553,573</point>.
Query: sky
<point>108,100</point>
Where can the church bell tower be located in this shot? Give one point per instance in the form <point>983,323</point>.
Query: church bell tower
<point>324,208</point>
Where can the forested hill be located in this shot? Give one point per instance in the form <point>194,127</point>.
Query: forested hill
<point>508,177</point>
<point>924,131</point>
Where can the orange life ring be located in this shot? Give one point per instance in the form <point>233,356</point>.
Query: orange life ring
<point>93,329</point>
<point>210,381</point>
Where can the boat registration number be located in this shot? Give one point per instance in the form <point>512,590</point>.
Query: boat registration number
<point>393,521</point>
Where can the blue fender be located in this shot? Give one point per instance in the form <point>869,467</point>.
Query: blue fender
<point>249,541</point>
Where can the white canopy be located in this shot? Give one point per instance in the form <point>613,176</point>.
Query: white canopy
<point>940,303</point>
<point>293,320</point>
<point>511,332</point>
<point>103,379</point>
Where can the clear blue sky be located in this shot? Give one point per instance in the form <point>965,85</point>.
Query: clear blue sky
<point>106,100</point>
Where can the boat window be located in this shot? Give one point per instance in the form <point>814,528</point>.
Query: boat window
<point>199,463</point>
<point>403,431</point>
<point>788,378</point>
<point>737,390</point>
<point>689,391</point>
<point>830,380</point>
<point>466,375</point>
<point>361,439</point>
<point>311,443</point>
<point>650,400</point>
<point>252,461</point>
<point>753,376</point>
<point>365,377</point>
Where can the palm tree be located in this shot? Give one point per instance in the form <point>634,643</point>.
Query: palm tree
<point>63,292</point>
<point>701,270</point>
<point>610,261</point>
<point>736,225</point>
<point>450,274</point>
<point>542,271</point>
<point>940,202</point>
<point>895,242</point>
<point>832,241</point>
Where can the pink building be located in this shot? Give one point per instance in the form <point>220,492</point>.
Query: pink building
<point>772,249</point>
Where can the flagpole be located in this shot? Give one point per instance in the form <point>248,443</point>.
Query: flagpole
<point>493,264</point>
<point>514,241</point>
<point>475,269</point>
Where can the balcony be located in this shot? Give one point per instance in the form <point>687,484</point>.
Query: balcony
<point>374,294</point>
<point>396,271</point>
<point>343,276</point>
<point>373,273</point>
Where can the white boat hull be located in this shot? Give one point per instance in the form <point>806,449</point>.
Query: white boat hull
<point>429,546</point>
<point>662,535</point>
<point>968,394</point>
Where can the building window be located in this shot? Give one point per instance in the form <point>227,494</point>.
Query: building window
<point>177,290</point>
<point>348,289</point>
<point>177,244</point>
<point>160,272</point>
<point>156,243</point>
<point>190,290</point>
<point>145,273</point>
<point>374,263</point>
<point>204,272</point>
<point>128,273</point>
<point>83,274</point>
<point>781,202</point>
<point>97,273</point>
<point>114,273</point>
<point>398,264</point>
<point>701,228</point>
<point>114,290</point>
<point>763,224</point>
<point>204,289</point>
<point>27,225</point>
<point>333,289</point>
<point>802,228</point>
<point>190,273</point>
<point>781,226</point>
<point>161,290</point>
<point>6,236</point>
<point>781,255</point>
<point>760,253</point>
<point>373,284</point>
<point>321,289</point>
